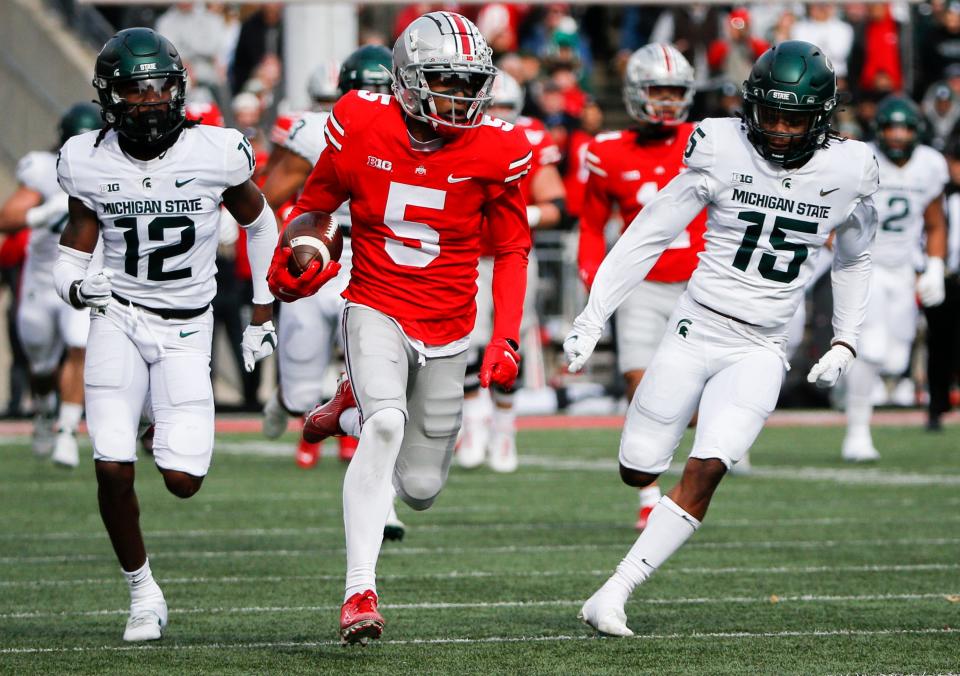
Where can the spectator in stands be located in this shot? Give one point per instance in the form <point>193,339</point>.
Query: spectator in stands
<point>201,36</point>
<point>940,49</point>
<point>941,109</point>
<point>247,112</point>
<point>877,61</point>
<point>943,321</point>
<point>690,28</point>
<point>732,56</point>
<point>833,35</point>
<point>260,40</point>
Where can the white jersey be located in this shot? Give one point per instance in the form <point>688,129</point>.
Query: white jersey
<point>905,192</point>
<point>160,218</point>
<point>38,172</point>
<point>307,140</point>
<point>766,225</point>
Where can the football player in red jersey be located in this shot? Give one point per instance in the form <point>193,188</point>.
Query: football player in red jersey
<point>627,169</point>
<point>423,169</point>
<point>489,432</point>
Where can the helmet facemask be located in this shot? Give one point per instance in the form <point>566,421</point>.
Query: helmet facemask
<point>446,94</point>
<point>786,135</point>
<point>147,109</point>
<point>898,140</point>
<point>657,102</point>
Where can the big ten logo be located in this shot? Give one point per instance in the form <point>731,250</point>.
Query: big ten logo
<point>385,165</point>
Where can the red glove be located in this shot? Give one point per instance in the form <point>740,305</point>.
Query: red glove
<point>501,364</point>
<point>286,287</point>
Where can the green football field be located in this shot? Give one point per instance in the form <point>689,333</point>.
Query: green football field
<point>805,566</point>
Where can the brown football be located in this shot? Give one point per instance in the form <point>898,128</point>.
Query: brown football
<point>313,235</point>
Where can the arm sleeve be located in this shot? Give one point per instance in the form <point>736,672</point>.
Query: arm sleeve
<point>851,271</point>
<point>507,218</point>
<point>594,215</point>
<point>71,266</point>
<point>323,190</point>
<point>639,247</point>
<point>261,241</point>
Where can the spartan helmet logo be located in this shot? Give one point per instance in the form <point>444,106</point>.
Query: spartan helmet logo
<point>683,327</point>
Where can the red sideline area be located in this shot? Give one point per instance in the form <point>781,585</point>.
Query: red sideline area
<point>237,424</point>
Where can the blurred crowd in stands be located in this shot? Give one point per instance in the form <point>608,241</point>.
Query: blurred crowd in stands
<point>569,61</point>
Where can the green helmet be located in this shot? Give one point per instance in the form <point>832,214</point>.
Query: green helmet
<point>367,68</point>
<point>133,63</point>
<point>898,111</point>
<point>79,118</point>
<point>793,80</point>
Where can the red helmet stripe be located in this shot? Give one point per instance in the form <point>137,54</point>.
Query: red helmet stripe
<point>666,57</point>
<point>465,36</point>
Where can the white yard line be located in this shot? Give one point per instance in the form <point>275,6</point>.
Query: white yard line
<point>947,597</point>
<point>498,549</point>
<point>461,526</point>
<point>709,636</point>
<point>110,581</point>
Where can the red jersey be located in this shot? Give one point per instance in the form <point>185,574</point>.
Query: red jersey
<point>575,179</point>
<point>628,171</point>
<point>417,216</point>
<point>545,151</point>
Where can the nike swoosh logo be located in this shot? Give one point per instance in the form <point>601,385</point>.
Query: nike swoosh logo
<point>824,193</point>
<point>647,563</point>
<point>184,334</point>
<point>453,179</point>
<point>269,339</point>
<point>180,183</point>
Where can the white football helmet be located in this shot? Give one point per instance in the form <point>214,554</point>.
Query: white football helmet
<point>322,85</point>
<point>507,93</point>
<point>444,49</point>
<point>658,65</point>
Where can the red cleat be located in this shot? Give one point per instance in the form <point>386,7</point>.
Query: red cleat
<point>359,619</point>
<point>307,454</point>
<point>324,420</point>
<point>642,517</point>
<point>348,446</point>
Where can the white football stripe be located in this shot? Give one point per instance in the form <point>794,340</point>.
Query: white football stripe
<point>316,243</point>
<point>523,160</point>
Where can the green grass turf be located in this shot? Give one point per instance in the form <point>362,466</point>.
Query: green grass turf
<point>807,566</point>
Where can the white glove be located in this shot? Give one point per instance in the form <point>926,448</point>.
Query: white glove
<point>49,213</point>
<point>578,346</point>
<point>94,291</point>
<point>930,285</point>
<point>259,341</point>
<point>826,372</point>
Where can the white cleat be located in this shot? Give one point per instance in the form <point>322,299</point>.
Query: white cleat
<point>473,446</point>
<point>146,623</point>
<point>65,451</point>
<point>274,417</point>
<point>503,453</point>
<point>605,615</point>
<point>859,448</point>
<point>44,435</point>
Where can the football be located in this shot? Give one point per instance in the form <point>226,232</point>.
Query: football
<point>313,235</point>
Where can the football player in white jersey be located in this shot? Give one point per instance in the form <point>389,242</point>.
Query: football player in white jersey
<point>49,331</point>
<point>308,327</point>
<point>150,184</point>
<point>775,185</point>
<point>910,209</point>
